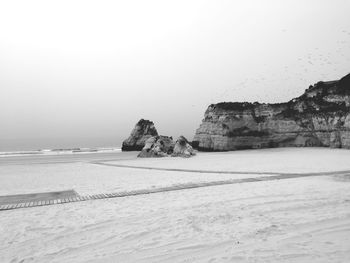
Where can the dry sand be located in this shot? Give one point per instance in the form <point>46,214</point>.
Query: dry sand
<point>292,220</point>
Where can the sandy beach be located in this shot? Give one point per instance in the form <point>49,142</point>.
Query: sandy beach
<point>175,131</point>
<point>290,220</point>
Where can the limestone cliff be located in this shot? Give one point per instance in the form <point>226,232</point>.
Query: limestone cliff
<point>143,130</point>
<point>320,117</point>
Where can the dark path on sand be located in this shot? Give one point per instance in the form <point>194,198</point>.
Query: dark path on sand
<point>43,199</point>
<point>220,172</point>
<point>10,202</point>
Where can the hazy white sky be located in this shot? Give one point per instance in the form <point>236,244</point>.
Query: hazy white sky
<point>92,69</point>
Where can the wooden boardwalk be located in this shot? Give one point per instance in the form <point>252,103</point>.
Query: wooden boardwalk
<point>49,199</point>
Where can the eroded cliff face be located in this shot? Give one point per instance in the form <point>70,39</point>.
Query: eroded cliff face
<point>320,117</point>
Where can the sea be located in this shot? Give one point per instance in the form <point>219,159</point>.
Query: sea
<point>55,146</point>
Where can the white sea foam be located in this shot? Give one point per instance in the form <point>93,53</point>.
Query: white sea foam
<point>60,151</point>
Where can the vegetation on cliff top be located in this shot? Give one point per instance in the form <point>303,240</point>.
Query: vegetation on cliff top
<point>340,87</point>
<point>313,101</point>
<point>238,106</point>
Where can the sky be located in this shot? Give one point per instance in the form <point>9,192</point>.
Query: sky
<point>82,73</point>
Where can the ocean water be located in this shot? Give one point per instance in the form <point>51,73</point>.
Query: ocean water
<point>46,145</point>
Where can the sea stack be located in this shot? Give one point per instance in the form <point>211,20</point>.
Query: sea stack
<point>157,146</point>
<point>143,130</point>
<point>319,117</point>
<point>183,148</point>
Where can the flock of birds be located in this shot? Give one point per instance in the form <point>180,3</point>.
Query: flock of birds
<point>292,79</point>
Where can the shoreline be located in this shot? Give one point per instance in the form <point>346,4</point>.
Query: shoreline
<point>59,151</point>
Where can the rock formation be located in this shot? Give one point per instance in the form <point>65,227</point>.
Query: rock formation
<point>157,146</point>
<point>143,130</point>
<point>320,117</point>
<point>182,148</point>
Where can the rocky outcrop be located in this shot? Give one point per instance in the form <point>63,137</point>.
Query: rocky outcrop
<point>157,146</point>
<point>182,148</point>
<point>320,117</point>
<point>143,130</point>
